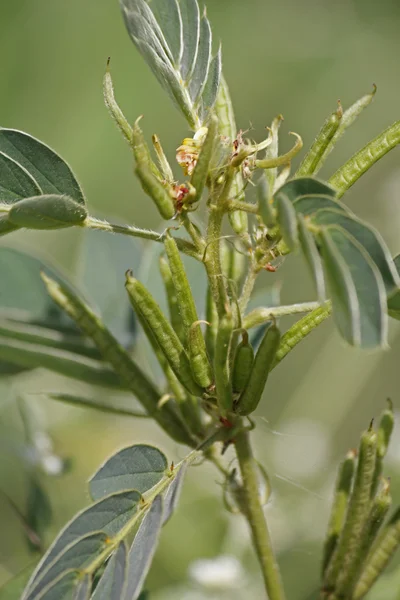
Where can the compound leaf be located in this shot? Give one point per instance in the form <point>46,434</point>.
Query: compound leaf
<point>112,582</point>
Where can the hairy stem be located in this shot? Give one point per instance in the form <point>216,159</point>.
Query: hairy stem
<point>258,316</point>
<point>256,518</point>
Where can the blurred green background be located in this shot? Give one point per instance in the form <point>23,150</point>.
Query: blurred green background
<point>294,57</point>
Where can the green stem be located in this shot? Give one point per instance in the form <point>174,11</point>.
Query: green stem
<point>197,239</point>
<point>146,234</point>
<point>240,205</point>
<point>256,518</point>
<point>300,330</point>
<point>258,316</point>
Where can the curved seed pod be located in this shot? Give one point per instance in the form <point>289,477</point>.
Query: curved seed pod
<point>201,170</point>
<point>315,157</point>
<point>339,507</point>
<point>141,151</point>
<point>114,109</point>
<point>265,208</point>
<point>212,327</point>
<point>157,192</point>
<point>284,159</point>
<point>263,360</point>
<point>199,362</point>
<point>242,364</point>
<point>221,364</point>
<point>380,508</point>
<point>145,305</point>
<point>172,299</point>
<point>379,557</point>
<point>197,347</point>
<point>364,159</point>
<point>385,430</point>
<point>165,167</point>
<point>120,360</point>
<point>346,553</point>
<point>47,212</point>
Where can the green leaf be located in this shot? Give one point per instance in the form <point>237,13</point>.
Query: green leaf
<point>138,467</point>
<point>308,205</point>
<point>312,256</point>
<point>61,588</point>
<point>304,186</point>
<point>369,289</point>
<point>112,582</point>
<point>176,44</point>
<point>39,512</point>
<point>143,549</point>
<point>369,238</point>
<point>394,300</point>
<point>84,588</point>
<point>287,221</point>
<point>47,212</point>
<point>51,173</point>
<point>34,356</point>
<point>15,181</point>
<point>74,556</point>
<point>98,405</point>
<point>173,493</point>
<point>109,515</point>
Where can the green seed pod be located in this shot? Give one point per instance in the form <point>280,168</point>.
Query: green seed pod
<point>141,150</point>
<point>114,109</point>
<point>377,514</point>
<point>157,192</point>
<point>212,327</point>
<point>123,365</point>
<point>346,553</point>
<point>165,167</point>
<point>379,556</point>
<point>339,507</point>
<point>385,430</point>
<point>265,208</point>
<point>195,340</point>
<point>242,364</point>
<point>145,305</point>
<point>172,299</point>
<point>221,364</point>
<point>201,170</point>
<point>250,398</point>
<point>315,156</point>
<point>47,212</point>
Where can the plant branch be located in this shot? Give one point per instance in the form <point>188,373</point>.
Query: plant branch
<point>258,316</point>
<point>256,519</point>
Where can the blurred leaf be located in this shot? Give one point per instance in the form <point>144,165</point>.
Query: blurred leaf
<point>47,212</point>
<point>39,512</point>
<point>394,301</point>
<point>13,588</point>
<point>287,221</point>
<point>369,239</point>
<point>111,584</point>
<point>109,515</point>
<point>138,468</point>
<point>51,173</point>
<point>84,588</point>
<point>103,262</point>
<point>304,186</point>
<point>98,405</point>
<point>309,204</point>
<point>74,556</point>
<point>15,182</point>
<point>61,588</point>
<point>312,256</point>
<point>180,58</point>
<point>143,549</point>
<point>173,493</point>
<point>34,356</point>
<point>366,309</point>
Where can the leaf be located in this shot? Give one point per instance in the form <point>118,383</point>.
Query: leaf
<point>98,405</point>
<point>74,556</point>
<point>394,300</point>
<point>61,588</point>
<point>112,582</point>
<point>34,356</point>
<point>15,181</point>
<point>287,221</point>
<point>308,205</point>
<point>173,493</point>
<point>304,186</point>
<point>109,515</point>
<point>311,254</point>
<point>51,173</point>
<point>176,44</point>
<point>84,588</point>
<point>143,549</point>
<point>138,467</point>
<point>47,212</point>
<point>369,238</point>
<point>39,512</point>
<point>369,289</point>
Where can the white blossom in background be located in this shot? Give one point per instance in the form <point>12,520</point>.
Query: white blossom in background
<point>221,573</point>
